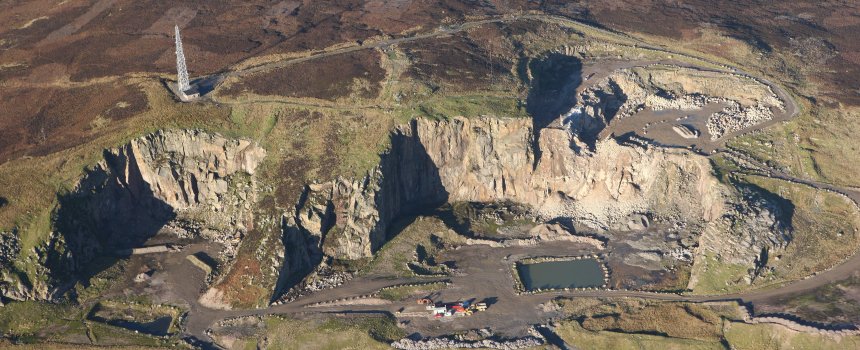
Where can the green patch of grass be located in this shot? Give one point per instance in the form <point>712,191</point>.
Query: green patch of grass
<point>575,335</point>
<point>715,276</point>
<point>824,230</point>
<point>428,233</point>
<point>642,324</point>
<point>447,107</point>
<point>812,145</point>
<point>110,335</point>
<point>497,220</point>
<point>675,320</point>
<point>101,282</point>
<point>30,318</point>
<point>362,333</point>
<point>403,292</point>
<point>830,303</point>
<point>743,336</point>
<point>36,322</point>
<point>132,312</point>
<point>722,168</point>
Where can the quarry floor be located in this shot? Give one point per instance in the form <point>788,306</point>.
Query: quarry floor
<point>483,273</point>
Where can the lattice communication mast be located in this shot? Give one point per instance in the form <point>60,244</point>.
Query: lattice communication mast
<point>182,71</point>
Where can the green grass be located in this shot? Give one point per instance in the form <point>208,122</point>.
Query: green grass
<point>28,318</point>
<point>824,230</point>
<point>100,283</point>
<point>812,145</point>
<point>641,324</point>
<point>722,168</point>
<point>447,107</point>
<point>403,292</point>
<point>631,315</point>
<point>480,219</point>
<point>394,257</point>
<point>133,311</point>
<point>743,336</point>
<point>318,334</point>
<point>36,322</point>
<point>714,276</point>
<point>575,335</point>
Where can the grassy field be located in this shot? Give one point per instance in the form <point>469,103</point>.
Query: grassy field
<point>715,276</point>
<point>825,230</point>
<point>320,334</point>
<point>403,292</point>
<point>743,336</point>
<point>575,335</point>
<point>646,317</point>
<point>640,324</point>
<point>34,322</point>
<point>824,234</point>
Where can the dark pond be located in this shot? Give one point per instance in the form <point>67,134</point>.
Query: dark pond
<point>561,274</point>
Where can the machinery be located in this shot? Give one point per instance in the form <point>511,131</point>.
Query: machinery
<point>464,308</point>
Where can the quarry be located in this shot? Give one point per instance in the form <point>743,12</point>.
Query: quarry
<point>586,179</point>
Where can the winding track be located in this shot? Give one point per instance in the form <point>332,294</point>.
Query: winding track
<point>201,318</point>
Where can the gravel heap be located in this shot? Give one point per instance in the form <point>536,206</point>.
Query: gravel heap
<point>735,118</point>
<point>10,246</point>
<point>445,343</point>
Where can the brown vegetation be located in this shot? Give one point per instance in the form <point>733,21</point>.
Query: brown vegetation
<point>38,121</point>
<point>327,78</point>
<point>477,60</point>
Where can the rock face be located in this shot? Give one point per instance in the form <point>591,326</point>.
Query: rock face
<point>185,169</point>
<point>491,159</point>
<point>183,175</point>
<point>164,177</point>
<point>353,215</point>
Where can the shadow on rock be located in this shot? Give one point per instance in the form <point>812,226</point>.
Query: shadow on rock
<point>105,215</point>
<point>407,183</point>
<point>553,79</point>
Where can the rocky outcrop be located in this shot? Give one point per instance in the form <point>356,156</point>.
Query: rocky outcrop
<point>202,179</point>
<point>490,159</point>
<point>564,170</point>
<point>185,169</point>
<point>351,217</point>
<point>10,246</point>
<point>735,118</point>
<point>749,229</point>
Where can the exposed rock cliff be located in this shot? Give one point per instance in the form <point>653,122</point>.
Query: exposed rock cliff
<point>184,169</point>
<point>492,159</point>
<point>139,187</point>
